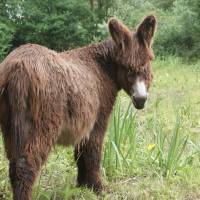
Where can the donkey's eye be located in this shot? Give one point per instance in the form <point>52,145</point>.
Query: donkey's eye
<point>131,76</point>
<point>130,73</point>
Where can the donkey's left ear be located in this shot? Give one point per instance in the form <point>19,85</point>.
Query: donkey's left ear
<point>119,32</point>
<point>146,29</point>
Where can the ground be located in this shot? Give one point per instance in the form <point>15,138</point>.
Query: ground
<point>149,154</point>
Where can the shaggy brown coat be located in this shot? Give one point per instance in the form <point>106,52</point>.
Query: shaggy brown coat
<point>48,97</point>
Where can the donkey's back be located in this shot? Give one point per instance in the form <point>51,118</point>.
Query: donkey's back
<point>53,94</point>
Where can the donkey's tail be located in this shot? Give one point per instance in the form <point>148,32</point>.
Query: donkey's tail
<point>6,69</point>
<point>15,83</point>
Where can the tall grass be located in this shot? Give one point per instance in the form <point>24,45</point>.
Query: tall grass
<point>120,147</point>
<point>167,150</point>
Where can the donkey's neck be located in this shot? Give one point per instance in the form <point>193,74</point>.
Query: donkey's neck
<point>104,54</point>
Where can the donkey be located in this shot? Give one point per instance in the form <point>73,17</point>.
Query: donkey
<point>66,98</point>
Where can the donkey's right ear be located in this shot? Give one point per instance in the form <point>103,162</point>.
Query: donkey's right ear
<point>146,29</point>
<point>119,32</point>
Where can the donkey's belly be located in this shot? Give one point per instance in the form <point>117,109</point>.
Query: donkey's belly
<point>74,135</point>
<point>80,116</point>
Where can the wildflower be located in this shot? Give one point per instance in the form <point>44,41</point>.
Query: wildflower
<point>151,147</point>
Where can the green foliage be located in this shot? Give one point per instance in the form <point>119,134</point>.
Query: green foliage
<point>188,20</point>
<point>167,4</point>
<point>168,154</point>
<point>6,35</point>
<point>67,24</point>
<point>178,29</point>
<point>120,149</point>
<point>59,25</point>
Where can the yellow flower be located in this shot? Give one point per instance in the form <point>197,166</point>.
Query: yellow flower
<point>151,147</point>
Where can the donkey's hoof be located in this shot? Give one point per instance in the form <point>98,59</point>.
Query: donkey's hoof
<point>97,187</point>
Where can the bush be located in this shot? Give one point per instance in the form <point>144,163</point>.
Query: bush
<point>57,25</point>
<point>6,35</point>
<point>67,24</point>
<point>178,31</point>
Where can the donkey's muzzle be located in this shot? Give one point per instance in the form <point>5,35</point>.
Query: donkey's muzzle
<point>139,102</point>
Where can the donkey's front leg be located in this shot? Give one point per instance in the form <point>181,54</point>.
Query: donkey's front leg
<point>88,157</point>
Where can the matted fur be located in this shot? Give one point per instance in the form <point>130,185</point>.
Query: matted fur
<point>48,97</point>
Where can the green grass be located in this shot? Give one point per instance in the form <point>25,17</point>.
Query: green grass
<point>149,154</point>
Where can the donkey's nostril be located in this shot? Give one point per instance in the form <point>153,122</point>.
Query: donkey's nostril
<point>139,101</point>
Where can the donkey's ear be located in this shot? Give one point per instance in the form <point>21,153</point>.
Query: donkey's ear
<point>146,29</point>
<point>119,32</point>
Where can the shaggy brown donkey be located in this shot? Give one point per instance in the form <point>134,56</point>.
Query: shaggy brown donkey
<point>48,97</point>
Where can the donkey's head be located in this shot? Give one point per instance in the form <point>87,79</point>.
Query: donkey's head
<point>132,55</point>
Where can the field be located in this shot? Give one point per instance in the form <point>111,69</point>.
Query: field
<point>149,154</point>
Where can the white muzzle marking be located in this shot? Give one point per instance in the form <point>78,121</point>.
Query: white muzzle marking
<point>139,89</point>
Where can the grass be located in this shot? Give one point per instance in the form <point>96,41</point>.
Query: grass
<point>149,154</point>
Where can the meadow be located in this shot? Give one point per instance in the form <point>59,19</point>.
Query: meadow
<point>148,154</point>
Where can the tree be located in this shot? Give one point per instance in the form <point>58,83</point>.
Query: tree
<point>56,24</point>
<point>6,29</point>
<point>6,35</point>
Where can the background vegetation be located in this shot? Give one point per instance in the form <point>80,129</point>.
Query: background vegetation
<point>151,154</point>
<point>65,24</point>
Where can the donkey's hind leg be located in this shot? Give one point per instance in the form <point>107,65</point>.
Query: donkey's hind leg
<point>26,161</point>
<point>24,167</point>
<point>22,176</point>
<point>29,132</point>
